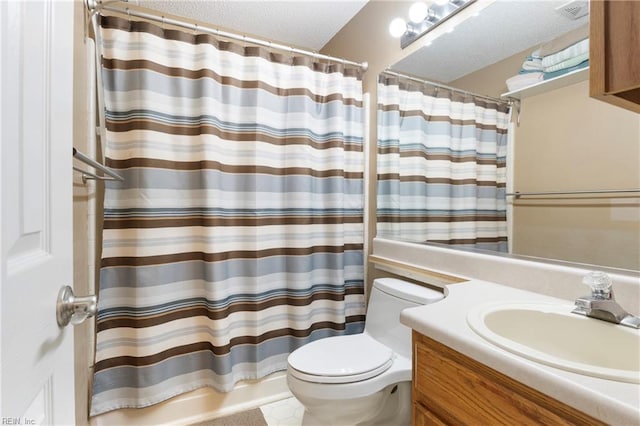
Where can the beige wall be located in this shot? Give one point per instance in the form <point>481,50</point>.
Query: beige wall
<point>566,141</point>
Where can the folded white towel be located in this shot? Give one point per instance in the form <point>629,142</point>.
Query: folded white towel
<point>533,64</point>
<point>571,62</point>
<point>577,49</point>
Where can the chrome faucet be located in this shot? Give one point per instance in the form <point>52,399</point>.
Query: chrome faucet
<point>601,303</point>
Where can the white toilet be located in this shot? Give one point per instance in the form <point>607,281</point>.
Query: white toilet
<point>362,379</point>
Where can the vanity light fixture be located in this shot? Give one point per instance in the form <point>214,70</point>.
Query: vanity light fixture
<point>397,27</point>
<point>418,11</point>
<point>423,18</point>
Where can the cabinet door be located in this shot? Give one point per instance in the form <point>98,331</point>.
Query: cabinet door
<point>459,390</point>
<point>36,229</point>
<point>614,56</point>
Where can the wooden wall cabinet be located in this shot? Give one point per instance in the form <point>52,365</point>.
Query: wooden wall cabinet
<point>450,388</point>
<point>614,55</point>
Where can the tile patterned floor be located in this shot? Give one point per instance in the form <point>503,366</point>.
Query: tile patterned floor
<point>287,412</point>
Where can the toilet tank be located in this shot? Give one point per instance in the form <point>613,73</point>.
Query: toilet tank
<point>389,296</point>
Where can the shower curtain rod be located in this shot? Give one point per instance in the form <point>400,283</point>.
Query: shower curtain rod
<point>98,5</point>
<point>453,89</point>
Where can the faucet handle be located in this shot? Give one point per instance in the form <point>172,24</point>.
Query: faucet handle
<point>600,284</point>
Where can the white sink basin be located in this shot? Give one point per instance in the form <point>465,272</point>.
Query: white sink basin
<point>552,335</point>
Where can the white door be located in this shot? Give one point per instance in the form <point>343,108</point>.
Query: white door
<point>36,75</point>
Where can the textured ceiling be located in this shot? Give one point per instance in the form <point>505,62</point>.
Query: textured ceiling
<point>502,29</point>
<point>308,24</point>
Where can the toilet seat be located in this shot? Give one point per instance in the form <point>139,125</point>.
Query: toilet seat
<point>341,359</point>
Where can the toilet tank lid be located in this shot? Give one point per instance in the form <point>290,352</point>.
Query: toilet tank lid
<point>408,291</point>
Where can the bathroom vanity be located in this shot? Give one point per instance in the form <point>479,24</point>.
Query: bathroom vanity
<point>461,378</point>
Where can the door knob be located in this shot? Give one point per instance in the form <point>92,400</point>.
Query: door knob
<point>72,309</point>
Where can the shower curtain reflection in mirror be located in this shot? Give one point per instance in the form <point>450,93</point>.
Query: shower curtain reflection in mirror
<point>441,165</point>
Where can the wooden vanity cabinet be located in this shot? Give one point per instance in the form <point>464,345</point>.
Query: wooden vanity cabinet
<point>614,55</point>
<point>450,388</point>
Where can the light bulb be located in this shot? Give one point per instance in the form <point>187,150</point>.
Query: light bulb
<point>441,2</point>
<point>418,12</point>
<point>397,27</point>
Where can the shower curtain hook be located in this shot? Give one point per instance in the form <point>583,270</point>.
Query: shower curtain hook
<point>128,14</point>
<point>163,22</point>
<point>195,29</point>
<point>291,57</point>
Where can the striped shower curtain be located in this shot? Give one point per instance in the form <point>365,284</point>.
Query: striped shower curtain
<point>441,166</point>
<point>237,235</point>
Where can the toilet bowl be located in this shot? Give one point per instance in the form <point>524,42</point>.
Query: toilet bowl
<point>362,379</point>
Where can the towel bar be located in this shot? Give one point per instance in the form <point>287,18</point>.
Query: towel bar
<point>88,175</point>
<point>598,191</point>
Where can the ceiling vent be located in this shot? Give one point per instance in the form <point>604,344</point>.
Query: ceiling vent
<point>574,9</point>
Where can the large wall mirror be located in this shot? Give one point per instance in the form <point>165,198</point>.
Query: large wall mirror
<point>447,159</point>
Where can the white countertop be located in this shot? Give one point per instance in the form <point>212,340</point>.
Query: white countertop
<point>616,403</point>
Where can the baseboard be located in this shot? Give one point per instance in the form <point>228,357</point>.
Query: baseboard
<point>202,404</point>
